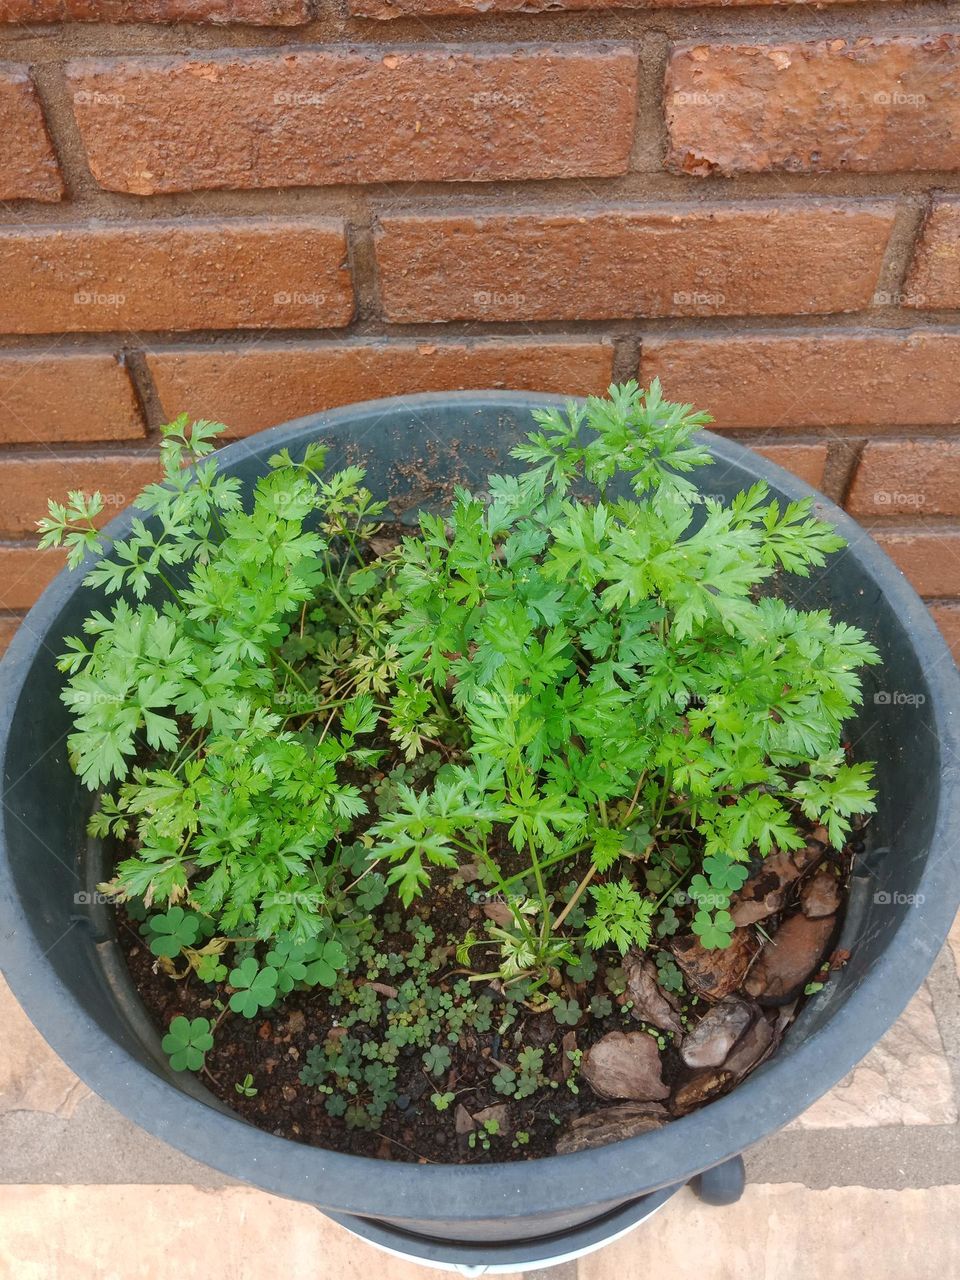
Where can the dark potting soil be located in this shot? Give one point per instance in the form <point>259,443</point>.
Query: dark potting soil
<point>272,1047</point>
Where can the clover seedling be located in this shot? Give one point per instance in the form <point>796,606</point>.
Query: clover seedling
<point>255,988</point>
<point>437,1059</point>
<point>188,1042</point>
<point>566,1012</point>
<point>170,933</point>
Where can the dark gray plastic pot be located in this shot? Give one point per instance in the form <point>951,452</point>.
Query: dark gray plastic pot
<point>61,960</point>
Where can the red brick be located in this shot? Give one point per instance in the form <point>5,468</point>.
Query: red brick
<point>29,169</point>
<point>934,277</point>
<point>267,13</point>
<point>66,397</point>
<point>794,257</point>
<point>862,104</point>
<point>224,274</point>
<point>27,484</point>
<point>867,379</point>
<point>312,117</point>
<point>931,560</point>
<point>254,387</point>
<point>8,629</point>
<point>911,477</point>
<point>468,8</point>
<point>807,461</point>
<point>947,618</point>
<point>24,572</point>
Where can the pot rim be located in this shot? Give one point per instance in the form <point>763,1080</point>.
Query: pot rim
<point>760,1105</point>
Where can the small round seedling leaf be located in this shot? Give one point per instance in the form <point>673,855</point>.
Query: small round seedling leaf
<point>255,988</point>
<point>187,1043</point>
<point>171,932</point>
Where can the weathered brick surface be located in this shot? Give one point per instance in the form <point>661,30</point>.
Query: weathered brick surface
<point>934,278</point>
<point>864,104</point>
<point>908,477</point>
<point>66,397</point>
<point>24,572</point>
<point>807,461</point>
<point>216,274</point>
<point>314,117</point>
<point>257,388</point>
<point>28,166</point>
<point>27,483</point>
<point>947,618</point>
<point>8,629</point>
<point>725,260</point>
<point>930,559</point>
<point>384,9</point>
<point>255,12</point>
<point>868,379</point>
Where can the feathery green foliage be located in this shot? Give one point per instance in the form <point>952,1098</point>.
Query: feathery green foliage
<point>593,647</point>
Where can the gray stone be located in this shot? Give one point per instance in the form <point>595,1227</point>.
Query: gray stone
<point>711,1040</point>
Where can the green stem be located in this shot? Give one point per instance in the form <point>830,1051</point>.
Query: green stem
<point>293,672</point>
<point>541,892</point>
<point>664,796</point>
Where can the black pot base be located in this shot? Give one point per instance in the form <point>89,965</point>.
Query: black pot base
<point>471,1258</point>
<point>722,1185</point>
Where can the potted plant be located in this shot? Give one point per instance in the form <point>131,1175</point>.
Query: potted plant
<point>468,847</point>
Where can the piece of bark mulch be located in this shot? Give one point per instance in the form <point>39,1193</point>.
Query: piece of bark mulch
<point>625,1065</point>
<point>820,896</point>
<point>611,1124</point>
<point>650,1002</point>
<point>789,958</point>
<point>699,1089</point>
<point>766,890</point>
<point>716,973</point>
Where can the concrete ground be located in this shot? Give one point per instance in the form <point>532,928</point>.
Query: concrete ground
<point>866,1183</point>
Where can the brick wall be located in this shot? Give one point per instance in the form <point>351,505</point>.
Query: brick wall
<point>251,209</point>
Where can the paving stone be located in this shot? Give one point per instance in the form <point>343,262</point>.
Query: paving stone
<point>905,1079</point>
<point>954,941</point>
<point>147,1232</point>
<point>785,1231</point>
<point>32,1077</point>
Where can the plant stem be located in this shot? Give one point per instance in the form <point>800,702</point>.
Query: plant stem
<point>633,802</point>
<point>293,672</point>
<point>545,927</point>
<point>575,896</point>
